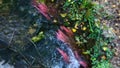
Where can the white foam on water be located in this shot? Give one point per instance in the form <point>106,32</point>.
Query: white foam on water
<point>74,63</point>
<point>6,65</point>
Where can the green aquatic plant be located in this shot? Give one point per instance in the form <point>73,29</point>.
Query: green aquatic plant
<point>83,17</point>
<point>38,37</point>
<point>103,64</point>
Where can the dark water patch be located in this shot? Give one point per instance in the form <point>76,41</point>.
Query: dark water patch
<point>13,29</point>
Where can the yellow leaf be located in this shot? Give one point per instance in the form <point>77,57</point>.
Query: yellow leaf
<point>76,26</point>
<point>74,30</point>
<point>52,0</point>
<point>84,28</point>
<point>63,14</point>
<point>103,57</point>
<point>87,52</point>
<point>54,20</point>
<point>69,0</point>
<point>104,48</point>
<point>35,39</point>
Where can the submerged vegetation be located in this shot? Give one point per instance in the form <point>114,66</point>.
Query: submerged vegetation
<point>82,17</point>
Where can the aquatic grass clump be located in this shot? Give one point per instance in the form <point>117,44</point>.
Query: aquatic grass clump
<point>82,16</point>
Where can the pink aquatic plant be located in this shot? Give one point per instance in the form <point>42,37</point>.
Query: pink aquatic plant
<point>42,8</point>
<point>81,62</point>
<point>64,54</point>
<point>67,31</point>
<point>61,36</point>
<point>66,35</point>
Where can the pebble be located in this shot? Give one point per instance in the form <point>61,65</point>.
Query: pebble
<point>112,6</point>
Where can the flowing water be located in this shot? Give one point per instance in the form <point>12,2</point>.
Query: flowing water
<point>43,54</point>
<point>46,57</point>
